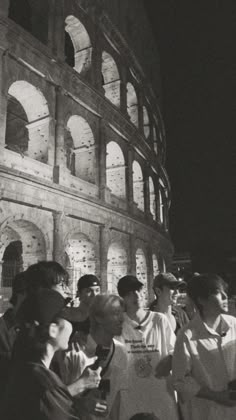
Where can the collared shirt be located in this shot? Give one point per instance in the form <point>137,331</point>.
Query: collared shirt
<point>147,344</point>
<point>204,358</point>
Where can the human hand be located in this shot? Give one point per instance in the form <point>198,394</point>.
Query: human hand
<point>94,405</point>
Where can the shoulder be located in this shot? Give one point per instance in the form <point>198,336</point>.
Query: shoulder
<point>159,318</point>
<point>229,319</point>
<point>45,378</point>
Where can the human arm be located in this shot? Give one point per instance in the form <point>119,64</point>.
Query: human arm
<point>168,338</point>
<point>88,380</point>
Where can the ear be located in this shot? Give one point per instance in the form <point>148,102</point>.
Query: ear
<point>157,291</point>
<point>53,330</point>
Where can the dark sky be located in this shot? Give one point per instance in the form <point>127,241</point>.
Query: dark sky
<point>197,45</point>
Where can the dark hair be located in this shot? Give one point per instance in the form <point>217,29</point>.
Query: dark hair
<point>19,285</point>
<point>31,343</point>
<point>46,274</point>
<point>204,285</point>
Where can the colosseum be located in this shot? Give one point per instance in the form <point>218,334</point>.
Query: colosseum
<point>82,141</point>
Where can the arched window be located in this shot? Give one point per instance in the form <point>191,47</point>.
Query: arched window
<point>146,123</point>
<point>80,149</point>
<point>111,79</point>
<point>81,258</point>
<point>116,266</point>
<point>132,104</point>
<point>115,169</point>
<point>152,199</point>
<point>138,187</point>
<point>27,126</point>
<point>141,272</point>
<point>81,43</point>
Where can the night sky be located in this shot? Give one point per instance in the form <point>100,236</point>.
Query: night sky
<point>196,40</point>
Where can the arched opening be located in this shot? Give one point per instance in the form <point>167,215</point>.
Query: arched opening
<point>12,263</point>
<point>115,169</point>
<point>146,123</point>
<point>111,79</point>
<point>81,45</point>
<point>155,265</point>
<point>138,187</point>
<point>152,198</point>
<point>141,272</point>
<point>27,126</point>
<point>21,244</point>
<point>116,266</point>
<point>132,104</point>
<point>80,149</point>
<point>81,258</point>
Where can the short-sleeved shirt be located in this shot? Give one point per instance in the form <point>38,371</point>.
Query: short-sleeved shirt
<point>147,344</point>
<point>36,393</point>
<point>204,358</point>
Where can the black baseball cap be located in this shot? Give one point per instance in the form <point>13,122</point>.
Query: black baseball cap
<point>167,279</point>
<point>44,306</point>
<point>88,280</point>
<point>128,284</point>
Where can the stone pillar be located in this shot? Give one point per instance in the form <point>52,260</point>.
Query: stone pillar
<point>129,179</point>
<point>123,92</point>
<point>4,8</point>
<point>102,160</point>
<point>3,101</point>
<point>51,24</point>
<point>59,135</point>
<point>104,235</point>
<point>58,27</point>
<point>58,245</point>
<point>96,64</point>
<point>140,112</point>
<point>132,255</point>
<point>146,192</point>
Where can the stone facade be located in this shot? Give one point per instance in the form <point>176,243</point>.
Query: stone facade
<point>82,144</point>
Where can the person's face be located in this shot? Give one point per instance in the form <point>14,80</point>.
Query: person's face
<point>134,299</point>
<point>87,294</point>
<point>216,303</point>
<point>62,335</point>
<point>113,318</point>
<point>166,295</point>
<point>63,289</point>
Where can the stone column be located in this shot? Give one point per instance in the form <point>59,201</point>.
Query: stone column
<point>59,135</point>
<point>51,24</point>
<point>104,235</point>
<point>140,112</point>
<point>123,92</point>
<point>102,160</point>
<point>58,245</point>
<point>4,8</point>
<point>96,64</point>
<point>3,101</point>
<point>146,191</point>
<point>129,178</point>
<point>132,255</point>
<point>58,35</point>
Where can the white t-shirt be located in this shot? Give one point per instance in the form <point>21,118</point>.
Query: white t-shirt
<point>202,357</point>
<point>146,345</point>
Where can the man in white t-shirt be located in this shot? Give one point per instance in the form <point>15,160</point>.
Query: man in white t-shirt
<point>149,340</point>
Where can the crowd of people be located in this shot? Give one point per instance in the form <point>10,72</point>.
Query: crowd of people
<point>111,357</point>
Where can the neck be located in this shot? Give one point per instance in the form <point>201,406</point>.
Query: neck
<point>101,337</point>
<point>47,357</point>
<point>212,320</point>
<point>163,308</point>
<point>136,315</point>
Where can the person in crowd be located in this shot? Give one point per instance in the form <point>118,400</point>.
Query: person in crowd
<point>9,327</point>
<point>166,288</point>
<point>102,351</point>
<point>204,362</point>
<point>149,340</point>
<point>87,288</point>
<point>48,275</point>
<point>33,390</point>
